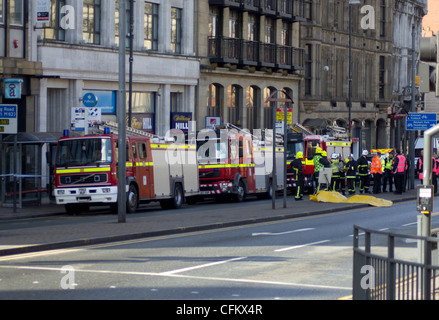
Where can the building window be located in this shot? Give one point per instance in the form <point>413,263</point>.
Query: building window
<point>382,77</point>
<point>234,25</point>
<point>214,18</point>
<point>270,30</point>
<point>53,30</point>
<point>151,27</point>
<point>383,19</point>
<point>176,29</point>
<point>2,10</point>
<point>16,12</point>
<point>213,100</point>
<point>253,28</point>
<point>233,105</point>
<point>308,70</point>
<point>92,21</point>
<point>268,108</point>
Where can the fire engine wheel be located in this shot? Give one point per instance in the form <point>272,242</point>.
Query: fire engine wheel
<point>132,199</point>
<point>240,192</point>
<point>177,200</point>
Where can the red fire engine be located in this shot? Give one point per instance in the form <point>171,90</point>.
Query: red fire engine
<point>86,170</point>
<point>231,166</point>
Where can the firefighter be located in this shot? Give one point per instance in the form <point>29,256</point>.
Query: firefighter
<point>296,165</point>
<point>317,167</point>
<point>399,167</point>
<point>351,173</point>
<point>324,162</point>
<point>342,173</point>
<point>335,179</point>
<point>376,171</point>
<point>363,172</point>
<point>388,175</point>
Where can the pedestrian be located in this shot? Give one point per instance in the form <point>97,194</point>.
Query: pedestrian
<point>388,174</point>
<point>376,170</point>
<point>434,172</point>
<point>351,173</point>
<point>363,172</point>
<point>420,167</point>
<point>399,168</point>
<point>298,176</point>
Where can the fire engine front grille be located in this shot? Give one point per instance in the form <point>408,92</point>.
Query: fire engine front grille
<point>84,178</point>
<point>209,174</point>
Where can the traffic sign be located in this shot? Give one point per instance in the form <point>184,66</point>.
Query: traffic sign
<point>8,119</point>
<point>421,121</point>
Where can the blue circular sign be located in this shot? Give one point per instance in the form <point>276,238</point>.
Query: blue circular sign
<point>89,100</point>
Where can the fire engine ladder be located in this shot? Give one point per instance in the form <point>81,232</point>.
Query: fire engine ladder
<point>301,129</point>
<point>114,128</point>
<point>338,132</point>
<point>279,137</point>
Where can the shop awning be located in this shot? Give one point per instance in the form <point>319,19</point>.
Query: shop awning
<point>33,138</point>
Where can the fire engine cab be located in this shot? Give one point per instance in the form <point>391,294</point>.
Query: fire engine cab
<point>156,170</point>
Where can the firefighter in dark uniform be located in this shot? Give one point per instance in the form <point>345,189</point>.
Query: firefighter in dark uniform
<point>363,172</point>
<point>351,173</point>
<point>296,166</point>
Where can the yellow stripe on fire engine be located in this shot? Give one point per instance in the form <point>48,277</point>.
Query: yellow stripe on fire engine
<point>173,146</point>
<point>338,143</point>
<point>214,166</point>
<point>144,164</point>
<point>83,170</point>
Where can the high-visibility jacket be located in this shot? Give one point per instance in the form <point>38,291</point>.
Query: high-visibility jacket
<point>376,166</point>
<point>420,168</point>
<point>435,166</point>
<point>402,166</point>
<point>388,163</point>
<point>317,164</point>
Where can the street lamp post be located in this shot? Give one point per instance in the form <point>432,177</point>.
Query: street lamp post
<point>351,3</point>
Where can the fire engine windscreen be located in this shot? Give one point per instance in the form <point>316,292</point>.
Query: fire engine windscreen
<point>80,152</point>
<point>293,147</point>
<point>212,150</point>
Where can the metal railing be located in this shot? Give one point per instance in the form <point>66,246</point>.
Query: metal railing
<point>232,50</point>
<point>393,272</point>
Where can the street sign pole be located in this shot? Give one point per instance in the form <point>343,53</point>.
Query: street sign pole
<point>121,118</point>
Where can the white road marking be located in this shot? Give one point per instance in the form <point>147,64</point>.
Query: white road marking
<point>409,224</point>
<point>280,233</point>
<point>300,246</point>
<point>265,282</point>
<point>201,266</point>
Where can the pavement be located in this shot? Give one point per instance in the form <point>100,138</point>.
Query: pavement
<point>30,229</point>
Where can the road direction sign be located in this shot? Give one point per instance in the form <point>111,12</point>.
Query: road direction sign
<point>8,119</point>
<point>421,121</point>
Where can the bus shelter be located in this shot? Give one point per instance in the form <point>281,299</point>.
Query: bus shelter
<point>26,168</point>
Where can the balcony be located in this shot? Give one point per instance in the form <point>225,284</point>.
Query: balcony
<point>224,50</point>
<point>286,9</point>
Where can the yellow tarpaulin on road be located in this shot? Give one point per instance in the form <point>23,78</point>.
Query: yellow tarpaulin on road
<point>336,197</point>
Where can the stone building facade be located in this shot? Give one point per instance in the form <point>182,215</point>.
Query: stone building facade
<point>381,60</point>
<point>248,49</point>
